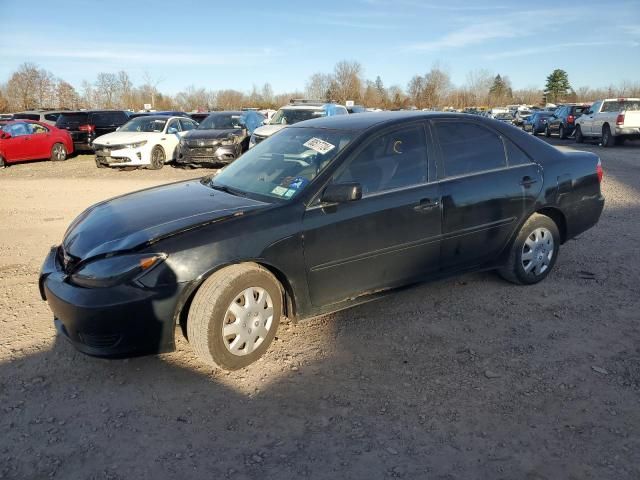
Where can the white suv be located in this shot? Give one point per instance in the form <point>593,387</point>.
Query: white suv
<point>296,111</point>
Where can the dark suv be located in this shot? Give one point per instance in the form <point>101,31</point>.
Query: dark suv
<point>84,126</point>
<point>563,120</point>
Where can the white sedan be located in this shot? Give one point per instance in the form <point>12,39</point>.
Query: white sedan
<point>149,141</point>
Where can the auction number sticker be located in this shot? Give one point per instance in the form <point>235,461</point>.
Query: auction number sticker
<point>319,145</point>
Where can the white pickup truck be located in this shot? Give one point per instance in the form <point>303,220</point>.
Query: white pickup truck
<point>613,120</point>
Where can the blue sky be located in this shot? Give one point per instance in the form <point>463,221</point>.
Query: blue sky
<point>215,44</point>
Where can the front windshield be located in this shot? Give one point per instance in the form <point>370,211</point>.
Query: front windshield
<point>221,121</point>
<point>289,116</point>
<point>283,166</point>
<point>144,124</point>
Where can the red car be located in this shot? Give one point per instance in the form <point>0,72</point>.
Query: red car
<point>29,140</point>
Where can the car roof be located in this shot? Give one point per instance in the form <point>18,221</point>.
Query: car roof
<point>370,119</point>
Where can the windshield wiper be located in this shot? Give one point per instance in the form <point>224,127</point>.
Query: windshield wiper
<point>225,189</point>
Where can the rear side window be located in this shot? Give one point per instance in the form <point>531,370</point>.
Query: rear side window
<point>26,116</point>
<point>72,120</point>
<point>52,117</point>
<point>515,155</point>
<point>469,148</point>
<point>109,119</point>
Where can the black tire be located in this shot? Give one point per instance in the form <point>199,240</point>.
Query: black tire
<point>58,152</point>
<point>547,132</point>
<point>208,312</point>
<point>608,140</point>
<point>514,270</point>
<point>99,164</point>
<point>561,132</point>
<point>3,163</point>
<point>579,137</point>
<point>157,158</point>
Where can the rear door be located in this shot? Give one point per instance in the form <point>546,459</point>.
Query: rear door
<point>41,141</point>
<point>388,238</point>
<point>487,184</point>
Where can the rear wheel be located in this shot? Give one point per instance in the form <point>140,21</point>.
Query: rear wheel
<point>534,251</point>
<point>579,137</point>
<point>58,152</point>
<point>234,316</point>
<point>608,140</point>
<point>157,158</point>
<point>561,132</point>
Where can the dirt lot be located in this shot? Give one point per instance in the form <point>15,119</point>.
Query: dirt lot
<point>461,379</point>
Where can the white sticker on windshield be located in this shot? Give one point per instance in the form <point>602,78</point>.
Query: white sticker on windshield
<point>280,191</point>
<point>319,146</point>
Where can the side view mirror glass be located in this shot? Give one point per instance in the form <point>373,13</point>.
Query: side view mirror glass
<point>342,192</point>
<point>5,135</point>
<point>172,130</point>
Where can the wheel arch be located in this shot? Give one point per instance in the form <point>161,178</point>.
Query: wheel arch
<point>184,303</point>
<point>558,218</point>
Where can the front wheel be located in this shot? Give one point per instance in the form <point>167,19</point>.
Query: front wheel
<point>561,133</point>
<point>58,152</point>
<point>579,136</point>
<point>534,251</point>
<point>547,132</point>
<point>234,316</point>
<point>157,158</point>
<point>3,162</point>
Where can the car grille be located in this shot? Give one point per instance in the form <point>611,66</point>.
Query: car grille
<point>202,143</point>
<point>65,261</point>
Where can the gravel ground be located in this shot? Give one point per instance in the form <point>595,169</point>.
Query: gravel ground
<point>464,378</point>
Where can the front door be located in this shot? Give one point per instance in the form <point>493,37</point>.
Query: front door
<point>389,237</point>
<point>488,185</point>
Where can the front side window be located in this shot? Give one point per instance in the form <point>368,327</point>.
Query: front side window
<point>174,126</point>
<point>18,129</point>
<point>392,160</point>
<point>469,148</point>
<point>282,166</point>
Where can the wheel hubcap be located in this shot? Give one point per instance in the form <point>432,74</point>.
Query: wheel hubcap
<point>58,152</point>
<point>247,321</point>
<point>537,251</point>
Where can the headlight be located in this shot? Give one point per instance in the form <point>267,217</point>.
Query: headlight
<point>136,145</point>
<point>231,140</point>
<point>111,271</point>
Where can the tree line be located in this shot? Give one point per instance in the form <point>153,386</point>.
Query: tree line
<point>32,87</point>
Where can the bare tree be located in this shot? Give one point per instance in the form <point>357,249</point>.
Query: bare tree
<point>267,96</point>
<point>415,90</point>
<point>22,87</point>
<point>66,95</point>
<point>150,88</point>
<point>87,99</point>
<point>106,88</point>
<point>125,90</point>
<point>193,98</point>
<point>229,99</point>
<point>347,81</point>
<point>4,103</point>
<point>318,85</point>
<point>437,84</point>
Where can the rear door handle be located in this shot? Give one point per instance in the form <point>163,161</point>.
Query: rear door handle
<point>426,204</point>
<point>528,181</point>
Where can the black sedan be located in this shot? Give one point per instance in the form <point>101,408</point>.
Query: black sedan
<point>326,214</point>
<point>220,138</point>
<point>536,123</point>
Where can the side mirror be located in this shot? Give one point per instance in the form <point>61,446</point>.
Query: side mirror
<point>172,130</point>
<point>5,135</point>
<point>342,193</point>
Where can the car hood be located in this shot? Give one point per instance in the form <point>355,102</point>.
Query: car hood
<point>212,133</point>
<point>268,130</point>
<point>119,138</point>
<point>125,222</point>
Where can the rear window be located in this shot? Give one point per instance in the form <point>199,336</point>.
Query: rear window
<point>620,105</point>
<point>72,119</point>
<point>108,119</point>
<point>26,116</point>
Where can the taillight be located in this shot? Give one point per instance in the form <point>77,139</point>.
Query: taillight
<point>87,128</point>
<point>620,119</point>
<point>599,171</point>
<point>570,119</point>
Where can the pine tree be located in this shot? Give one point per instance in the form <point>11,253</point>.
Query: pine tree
<point>557,86</point>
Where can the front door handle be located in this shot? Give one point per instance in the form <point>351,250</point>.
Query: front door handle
<point>527,181</point>
<point>426,204</point>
